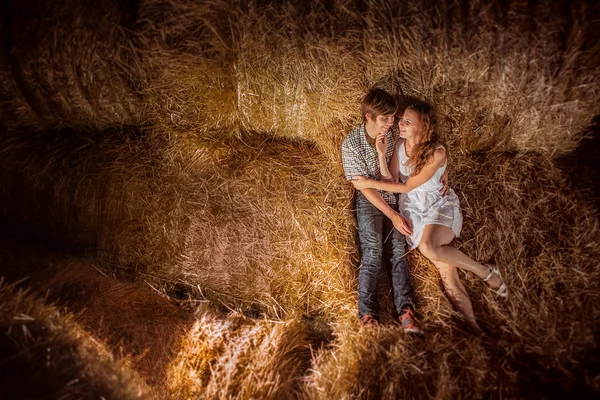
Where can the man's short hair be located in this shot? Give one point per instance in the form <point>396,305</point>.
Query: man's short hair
<point>378,102</point>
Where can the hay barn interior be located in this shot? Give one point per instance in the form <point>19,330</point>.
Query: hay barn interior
<point>175,222</point>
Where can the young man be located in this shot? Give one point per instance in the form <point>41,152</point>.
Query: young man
<point>376,211</point>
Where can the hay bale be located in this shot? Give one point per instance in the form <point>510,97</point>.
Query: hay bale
<point>136,324</point>
<point>46,354</point>
<point>266,229</point>
<point>69,64</point>
<point>251,222</point>
<point>73,191</point>
<point>267,68</point>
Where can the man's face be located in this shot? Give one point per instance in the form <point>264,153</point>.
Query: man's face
<point>409,124</point>
<point>382,123</point>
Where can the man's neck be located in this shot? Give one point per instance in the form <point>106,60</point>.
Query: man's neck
<point>370,131</point>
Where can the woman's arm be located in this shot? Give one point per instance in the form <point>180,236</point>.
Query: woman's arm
<point>439,157</point>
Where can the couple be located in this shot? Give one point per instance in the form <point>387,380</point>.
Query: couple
<point>381,161</point>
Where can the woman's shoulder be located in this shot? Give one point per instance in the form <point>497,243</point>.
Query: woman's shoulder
<point>439,154</point>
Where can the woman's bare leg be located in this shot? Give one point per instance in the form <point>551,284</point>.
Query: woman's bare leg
<point>433,246</point>
<point>457,293</point>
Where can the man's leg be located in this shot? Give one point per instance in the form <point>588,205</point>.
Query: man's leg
<point>403,293</point>
<point>395,247</point>
<point>370,224</point>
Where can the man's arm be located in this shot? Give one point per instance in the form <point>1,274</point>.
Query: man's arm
<point>381,146</point>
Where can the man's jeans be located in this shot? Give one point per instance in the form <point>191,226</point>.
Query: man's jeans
<point>373,229</point>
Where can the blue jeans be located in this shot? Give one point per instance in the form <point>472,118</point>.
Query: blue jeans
<point>373,229</point>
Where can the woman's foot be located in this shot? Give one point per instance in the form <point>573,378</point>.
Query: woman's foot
<point>495,282</point>
<point>475,329</point>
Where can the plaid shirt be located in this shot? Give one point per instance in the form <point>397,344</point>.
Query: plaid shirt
<point>360,158</point>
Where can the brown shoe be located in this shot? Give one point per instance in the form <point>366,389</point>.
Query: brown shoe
<point>409,323</point>
<point>368,320</point>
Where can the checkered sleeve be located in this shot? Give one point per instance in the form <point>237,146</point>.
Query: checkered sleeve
<point>353,163</point>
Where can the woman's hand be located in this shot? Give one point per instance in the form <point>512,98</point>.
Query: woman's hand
<point>444,180</point>
<point>360,182</point>
<point>381,144</point>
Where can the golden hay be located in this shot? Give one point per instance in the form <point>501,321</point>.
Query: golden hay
<point>232,191</point>
<point>519,213</point>
<point>250,221</point>
<point>264,228</point>
<point>46,355</point>
<point>229,66</point>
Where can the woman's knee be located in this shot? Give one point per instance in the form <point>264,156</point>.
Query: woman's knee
<point>430,249</point>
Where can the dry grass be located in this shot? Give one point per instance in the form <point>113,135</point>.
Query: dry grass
<point>240,358</point>
<point>232,65</point>
<point>518,76</point>
<point>264,226</point>
<point>230,189</point>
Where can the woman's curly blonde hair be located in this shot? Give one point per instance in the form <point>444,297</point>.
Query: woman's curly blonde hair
<point>429,139</point>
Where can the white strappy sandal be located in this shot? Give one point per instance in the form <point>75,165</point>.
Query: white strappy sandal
<point>502,291</point>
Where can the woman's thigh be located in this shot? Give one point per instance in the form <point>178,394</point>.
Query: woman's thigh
<point>437,235</point>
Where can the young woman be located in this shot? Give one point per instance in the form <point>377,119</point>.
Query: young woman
<point>419,160</point>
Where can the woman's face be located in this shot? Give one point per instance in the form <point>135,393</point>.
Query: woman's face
<point>410,125</point>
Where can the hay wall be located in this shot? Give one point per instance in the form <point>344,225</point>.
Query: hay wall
<point>251,222</point>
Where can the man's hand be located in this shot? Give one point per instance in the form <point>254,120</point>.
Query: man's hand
<point>361,182</point>
<point>402,224</point>
<point>444,180</point>
<point>381,144</point>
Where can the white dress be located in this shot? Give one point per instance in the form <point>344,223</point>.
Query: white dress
<point>425,205</point>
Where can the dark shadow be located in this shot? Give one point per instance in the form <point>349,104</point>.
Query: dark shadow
<point>582,166</point>
<point>131,318</point>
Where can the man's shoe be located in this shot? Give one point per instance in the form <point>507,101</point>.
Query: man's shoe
<point>368,320</point>
<point>409,323</point>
